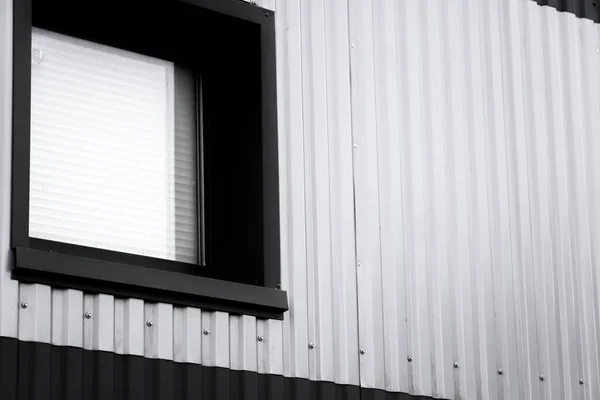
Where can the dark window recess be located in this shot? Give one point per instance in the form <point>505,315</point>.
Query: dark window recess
<point>230,47</point>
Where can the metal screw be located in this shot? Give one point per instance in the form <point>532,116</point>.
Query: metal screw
<point>88,315</point>
<point>358,264</point>
<point>24,304</point>
<point>500,371</point>
<point>279,286</point>
<point>355,145</point>
<point>260,338</point>
<point>456,364</point>
<point>542,378</point>
<point>581,381</point>
<point>362,351</point>
<point>149,322</point>
<point>353,45</point>
<point>410,358</point>
<point>311,345</point>
<point>206,332</point>
<point>266,14</point>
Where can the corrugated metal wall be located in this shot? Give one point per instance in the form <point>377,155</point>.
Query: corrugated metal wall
<point>440,167</point>
<point>477,183</point>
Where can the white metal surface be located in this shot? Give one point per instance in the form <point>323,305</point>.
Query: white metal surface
<point>476,183</point>
<point>462,227</point>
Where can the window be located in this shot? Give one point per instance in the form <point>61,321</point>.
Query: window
<point>145,151</point>
<point>113,150</point>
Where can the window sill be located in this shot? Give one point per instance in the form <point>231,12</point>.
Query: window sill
<point>98,276</point>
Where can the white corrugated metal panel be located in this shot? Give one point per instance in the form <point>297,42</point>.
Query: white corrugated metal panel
<point>67,309</point>
<point>316,190</point>
<point>291,172</point>
<point>476,178</point>
<point>473,183</point>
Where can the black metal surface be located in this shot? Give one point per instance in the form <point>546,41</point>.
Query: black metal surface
<point>9,358</point>
<point>21,101</point>
<point>589,9</point>
<point>39,371</point>
<point>117,257</point>
<point>270,152</point>
<point>97,276</point>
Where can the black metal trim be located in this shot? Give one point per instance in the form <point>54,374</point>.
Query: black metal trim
<point>20,121</point>
<point>98,276</point>
<point>270,160</point>
<point>119,257</point>
<point>241,289</point>
<point>588,9</point>
<point>40,371</point>
<point>233,8</point>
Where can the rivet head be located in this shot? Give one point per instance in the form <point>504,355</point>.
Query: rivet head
<point>266,14</point>
<point>456,364</point>
<point>500,371</point>
<point>362,351</point>
<point>409,358</point>
<point>88,315</point>
<point>353,45</point>
<point>358,264</point>
<point>24,304</point>
<point>311,345</point>
<point>149,322</point>
<point>260,338</point>
<point>581,381</point>
<point>206,332</point>
<point>542,378</point>
<point>279,286</point>
<point>355,145</point>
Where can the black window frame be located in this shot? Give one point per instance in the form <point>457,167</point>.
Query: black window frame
<point>96,270</point>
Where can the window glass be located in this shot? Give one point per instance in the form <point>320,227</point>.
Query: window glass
<point>113,149</point>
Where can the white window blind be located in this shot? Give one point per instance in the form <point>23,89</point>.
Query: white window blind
<point>113,149</point>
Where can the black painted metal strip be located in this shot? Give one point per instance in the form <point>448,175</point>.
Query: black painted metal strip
<point>9,359</point>
<point>35,358</point>
<point>589,9</point>
<point>98,276</point>
<point>39,371</point>
<point>66,373</point>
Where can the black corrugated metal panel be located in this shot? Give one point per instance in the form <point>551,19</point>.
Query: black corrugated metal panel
<point>589,9</point>
<point>39,371</point>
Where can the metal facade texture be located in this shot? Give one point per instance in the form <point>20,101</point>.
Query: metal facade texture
<point>476,181</point>
<point>440,170</point>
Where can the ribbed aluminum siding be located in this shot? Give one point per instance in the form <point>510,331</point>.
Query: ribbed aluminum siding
<point>442,157</point>
<point>477,183</point>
